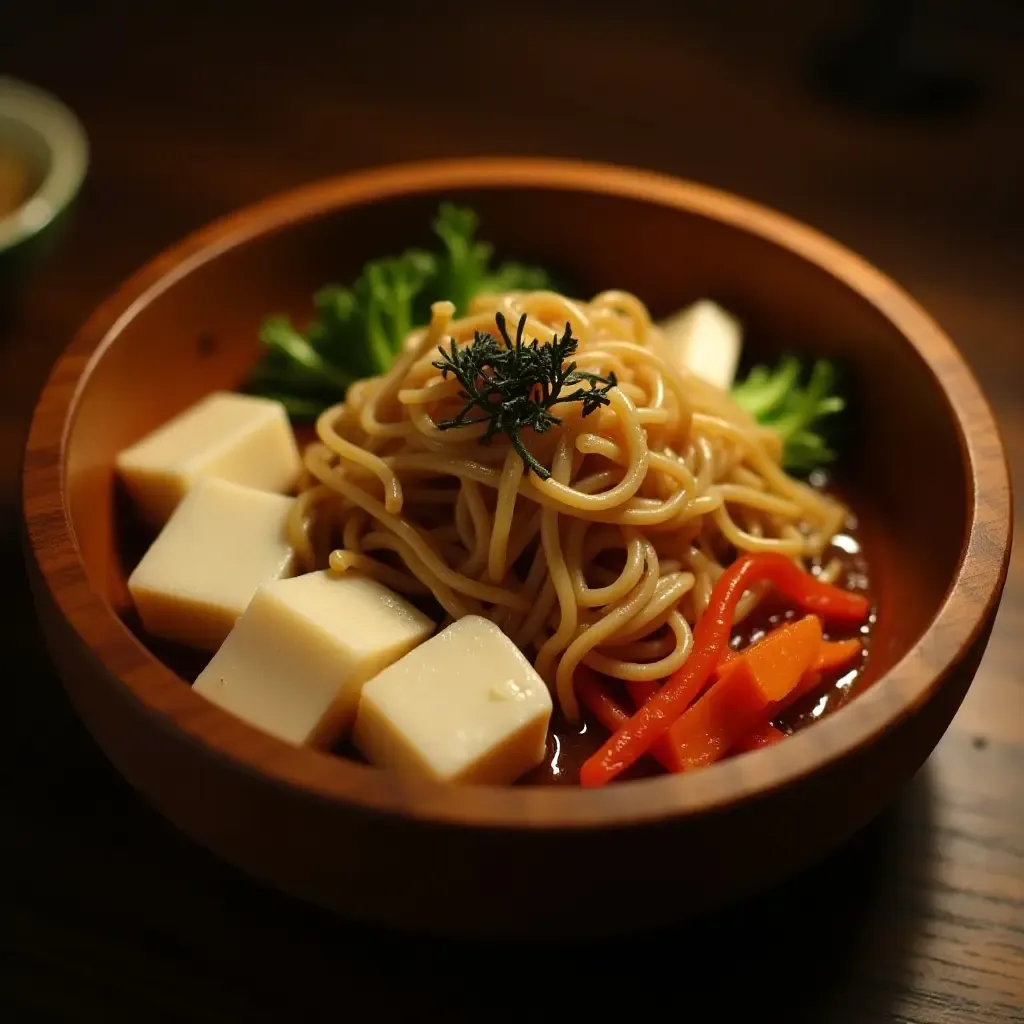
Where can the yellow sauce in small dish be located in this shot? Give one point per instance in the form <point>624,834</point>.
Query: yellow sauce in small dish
<point>15,181</point>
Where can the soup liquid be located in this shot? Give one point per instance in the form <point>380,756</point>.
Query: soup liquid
<point>569,746</point>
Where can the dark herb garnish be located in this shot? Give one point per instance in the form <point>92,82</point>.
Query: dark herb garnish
<point>512,386</point>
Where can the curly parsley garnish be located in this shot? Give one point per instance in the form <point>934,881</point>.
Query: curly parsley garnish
<point>512,386</point>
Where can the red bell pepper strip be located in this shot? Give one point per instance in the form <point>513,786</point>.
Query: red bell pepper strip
<point>597,700</point>
<point>747,694</point>
<point>635,737</point>
<point>594,696</point>
<point>642,690</point>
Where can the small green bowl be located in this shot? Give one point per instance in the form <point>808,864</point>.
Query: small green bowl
<point>40,132</point>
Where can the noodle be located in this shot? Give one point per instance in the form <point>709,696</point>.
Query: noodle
<point>610,560</point>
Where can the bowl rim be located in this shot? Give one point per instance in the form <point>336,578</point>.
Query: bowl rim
<point>963,615</point>
<point>68,147</point>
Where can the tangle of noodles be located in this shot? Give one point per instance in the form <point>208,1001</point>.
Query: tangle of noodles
<point>611,560</point>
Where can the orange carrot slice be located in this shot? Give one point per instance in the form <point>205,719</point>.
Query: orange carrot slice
<point>833,655</point>
<point>837,654</point>
<point>809,682</point>
<point>764,736</point>
<point>651,722</point>
<point>780,659</point>
<point>731,708</point>
<point>746,695</point>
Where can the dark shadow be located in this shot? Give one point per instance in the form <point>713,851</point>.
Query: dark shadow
<point>893,62</point>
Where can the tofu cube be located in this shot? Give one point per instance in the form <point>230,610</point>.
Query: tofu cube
<point>706,340</point>
<point>241,438</point>
<point>465,706</point>
<point>220,544</point>
<point>296,661</point>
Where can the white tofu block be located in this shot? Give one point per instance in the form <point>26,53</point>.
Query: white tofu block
<point>465,706</point>
<point>296,661</point>
<point>220,544</point>
<point>241,438</point>
<point>706,340</point>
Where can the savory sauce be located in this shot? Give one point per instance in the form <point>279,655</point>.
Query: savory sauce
<point>15,181</point>
<point>570,745</point>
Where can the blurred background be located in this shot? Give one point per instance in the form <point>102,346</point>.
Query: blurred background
<point>906,146</point>
<point>896,127</point>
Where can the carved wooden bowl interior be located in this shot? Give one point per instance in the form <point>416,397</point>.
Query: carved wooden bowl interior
<point>923,469</point>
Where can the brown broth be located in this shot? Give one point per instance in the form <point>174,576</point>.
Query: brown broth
<point>570,745</point>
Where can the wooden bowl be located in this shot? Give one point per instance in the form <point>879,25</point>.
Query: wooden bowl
<point>926,470</point>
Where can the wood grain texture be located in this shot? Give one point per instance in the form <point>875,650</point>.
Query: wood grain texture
<point>106,908</point>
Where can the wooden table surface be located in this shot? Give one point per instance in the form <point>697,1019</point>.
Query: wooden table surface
<point>106,913</point>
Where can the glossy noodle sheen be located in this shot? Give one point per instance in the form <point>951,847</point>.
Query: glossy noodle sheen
<point>608,562</point>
